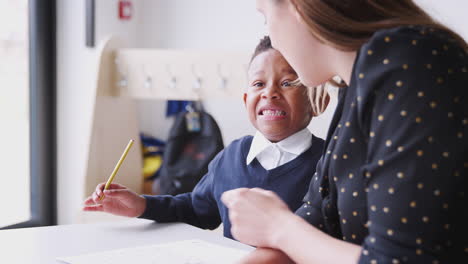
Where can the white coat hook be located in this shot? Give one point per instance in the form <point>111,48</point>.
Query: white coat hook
<point>122,82</point>
<point>198,80</point>
<point>173,80</point>
<point>223,77</point>
<point>148,83</point>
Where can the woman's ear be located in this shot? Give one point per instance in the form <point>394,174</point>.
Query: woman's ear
<point>244,98</point>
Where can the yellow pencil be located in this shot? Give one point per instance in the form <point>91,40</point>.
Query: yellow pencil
<point>117,166</point>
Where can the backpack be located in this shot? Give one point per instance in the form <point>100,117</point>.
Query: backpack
<point>188,152</point>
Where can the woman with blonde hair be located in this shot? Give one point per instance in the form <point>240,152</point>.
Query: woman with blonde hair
<point>390,187</point>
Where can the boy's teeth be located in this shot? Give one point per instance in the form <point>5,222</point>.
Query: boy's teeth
<point>273,112</point>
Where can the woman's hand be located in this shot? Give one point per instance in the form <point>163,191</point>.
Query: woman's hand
<point>118,200</point>
<point>257,216</point>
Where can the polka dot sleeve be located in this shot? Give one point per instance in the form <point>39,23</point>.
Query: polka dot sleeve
<point>412,107</point>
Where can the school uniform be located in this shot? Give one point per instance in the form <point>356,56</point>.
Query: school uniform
<point>285,168</point>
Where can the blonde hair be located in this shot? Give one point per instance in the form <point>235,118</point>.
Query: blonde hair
<point>348,24</point>
<point>319,98</point>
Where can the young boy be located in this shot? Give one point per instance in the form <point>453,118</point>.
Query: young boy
<point>281,157</point>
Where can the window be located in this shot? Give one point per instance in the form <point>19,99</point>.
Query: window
<point>27,113</point>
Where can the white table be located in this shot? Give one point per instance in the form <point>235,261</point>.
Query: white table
<point>44,244</point>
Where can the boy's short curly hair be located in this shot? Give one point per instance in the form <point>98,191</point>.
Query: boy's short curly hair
<point>262,46</point>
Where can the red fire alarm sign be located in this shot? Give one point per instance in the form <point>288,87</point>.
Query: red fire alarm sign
<point>125,9</point>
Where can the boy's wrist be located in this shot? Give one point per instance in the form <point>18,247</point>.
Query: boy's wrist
<point>144,205</point>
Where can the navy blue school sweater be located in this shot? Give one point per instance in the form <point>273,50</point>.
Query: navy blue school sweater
<point>228,170</point>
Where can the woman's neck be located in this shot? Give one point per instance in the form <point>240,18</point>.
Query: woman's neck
<point>343,63</point>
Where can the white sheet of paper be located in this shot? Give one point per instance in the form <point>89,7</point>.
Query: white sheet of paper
<point>180,252</point>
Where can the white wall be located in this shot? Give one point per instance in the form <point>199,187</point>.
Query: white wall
<point>76,73</point>
<point>450,12</point>
<point>201,24</point>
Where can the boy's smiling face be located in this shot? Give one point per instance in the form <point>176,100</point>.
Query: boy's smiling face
<point>275,108</point>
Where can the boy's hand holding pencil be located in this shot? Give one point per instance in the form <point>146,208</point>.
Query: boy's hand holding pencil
<point>115,198</point>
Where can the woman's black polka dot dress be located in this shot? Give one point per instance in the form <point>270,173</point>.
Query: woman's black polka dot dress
<point>393,174</point>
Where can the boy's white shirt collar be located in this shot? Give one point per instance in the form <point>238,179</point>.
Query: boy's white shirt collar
<point>294,145</point>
